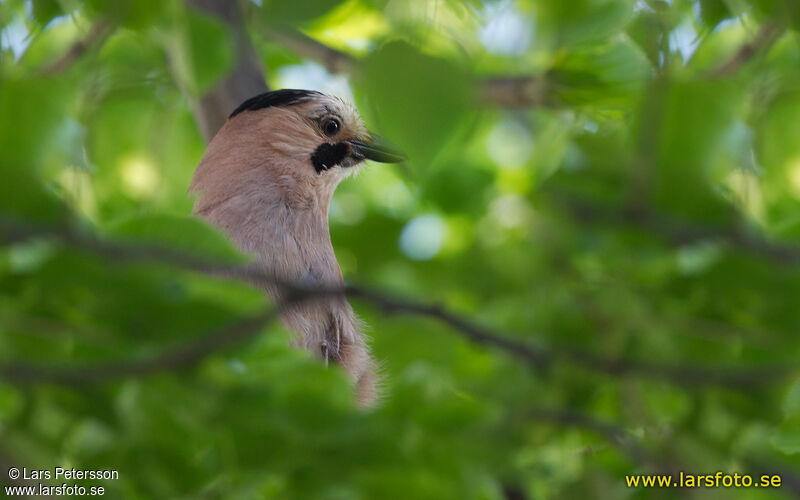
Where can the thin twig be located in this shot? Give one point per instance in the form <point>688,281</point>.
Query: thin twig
<point>541,358</point>
<point>537,357</point>
<point>98,33</point>
<point>766,36</point>
<point>514,91</point>
<point>333,60</point>
<point>504,91</point>
<point>614,434</point>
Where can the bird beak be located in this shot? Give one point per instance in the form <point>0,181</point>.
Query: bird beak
<point>378,149</point>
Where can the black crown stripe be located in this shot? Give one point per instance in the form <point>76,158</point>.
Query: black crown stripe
<point>283,97</point>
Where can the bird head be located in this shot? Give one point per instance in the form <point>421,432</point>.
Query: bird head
<point>297,143</point>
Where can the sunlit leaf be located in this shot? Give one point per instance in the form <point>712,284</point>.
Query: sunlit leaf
<point>568,23</point>
<point>280,12</point>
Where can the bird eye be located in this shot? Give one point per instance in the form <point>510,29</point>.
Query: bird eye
<point>331,127</point>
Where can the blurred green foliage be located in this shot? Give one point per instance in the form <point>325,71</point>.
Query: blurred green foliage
<point>646,208</point>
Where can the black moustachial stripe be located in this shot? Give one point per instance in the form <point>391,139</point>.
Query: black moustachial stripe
<point>328,155</point>
<point>283,97</point>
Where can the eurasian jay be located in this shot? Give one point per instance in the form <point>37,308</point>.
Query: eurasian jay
<point>266,180</point>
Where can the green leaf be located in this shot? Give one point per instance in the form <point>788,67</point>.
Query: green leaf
<point>786,437</point>
<point>23,196</point>
<point>45,10</point>
<point>791,404</point>
<point>457,185</point>
<point>777,147</point>
<point>10,402</point>
<point>692,119</point>
<point>780,11</point>
<point>648,30</point>
<point>31,112</point>
<point>204,51</point>
<point>415,99</point>
<point>713,12</point>
<point>282,12</point>
<point>134,14</point>
<point>183,234</point>
<point>607,75</point>
<point>581,21</point>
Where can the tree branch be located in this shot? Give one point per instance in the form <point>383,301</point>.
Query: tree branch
<point>541,358</point>
<point>538,358</point>
<point>514,91</point>
<point>505,92</point>
<point>679,231</point>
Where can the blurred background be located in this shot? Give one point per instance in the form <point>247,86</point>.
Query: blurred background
<point>613,185</point>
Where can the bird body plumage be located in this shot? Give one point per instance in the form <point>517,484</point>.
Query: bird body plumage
<point>259,183</point>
